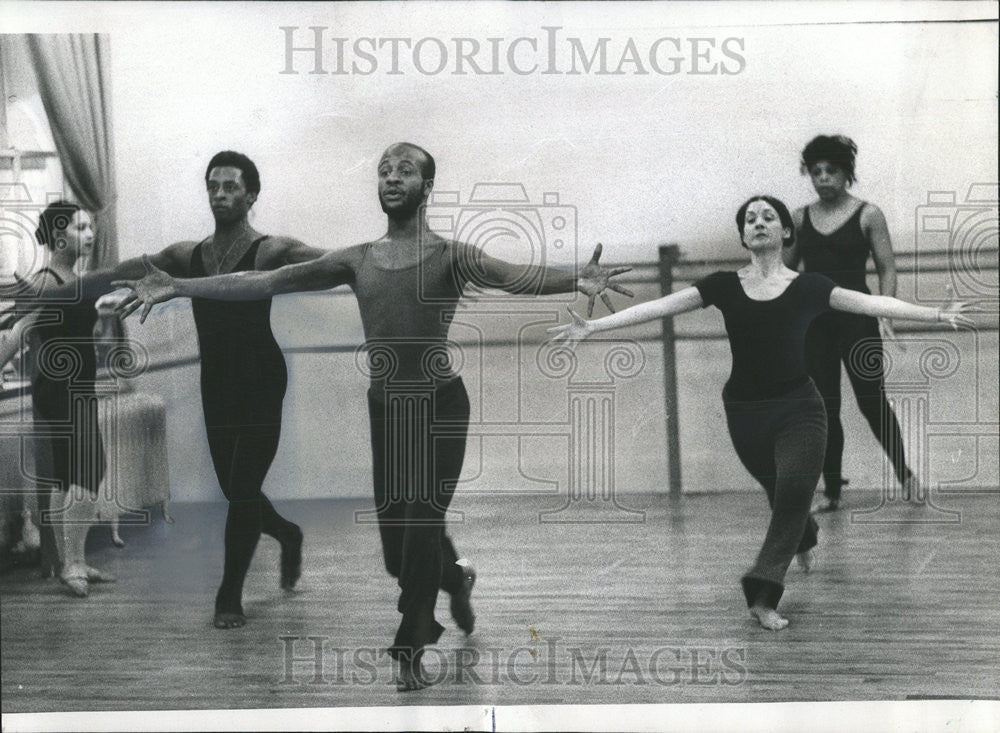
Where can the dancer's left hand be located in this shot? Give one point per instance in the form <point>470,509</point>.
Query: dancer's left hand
<point>155,287</point>
<point>595,280</point>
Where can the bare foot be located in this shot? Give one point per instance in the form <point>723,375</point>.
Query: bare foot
<point>806,560</point>
<point>30,536</point>
<point>166,515</point>
<point>768,618</point>
<point>224,620</point>
<point>97,576</point>
<point>116,540</point>
<point>824,505</point>
<point>75,579</point>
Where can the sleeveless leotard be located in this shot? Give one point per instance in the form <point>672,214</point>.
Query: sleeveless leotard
<point>64,371</point>
<point>841,255</point>
<point>243,373</point>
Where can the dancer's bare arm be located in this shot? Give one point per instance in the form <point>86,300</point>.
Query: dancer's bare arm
<point>328,271</point>
<point>91,285</point>
<point>593,280</point>
<point>11,340</point>
<point>953,313</point>
<point>683,301</point>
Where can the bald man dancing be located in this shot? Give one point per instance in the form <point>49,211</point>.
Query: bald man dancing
<point>408,284</point>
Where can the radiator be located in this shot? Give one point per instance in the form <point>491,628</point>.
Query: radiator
<point>133,427</point>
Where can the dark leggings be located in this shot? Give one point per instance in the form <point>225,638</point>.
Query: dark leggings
<point>242,455</point>
<point>853,340</point>
<point>418,446</point>
<point>780,442</point>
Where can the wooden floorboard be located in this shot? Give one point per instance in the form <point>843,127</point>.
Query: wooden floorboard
<point>892,612</point>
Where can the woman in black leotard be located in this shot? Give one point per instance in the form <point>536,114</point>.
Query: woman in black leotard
<point>836,234</point>
<point>774,413</point>
<point>70,460</point>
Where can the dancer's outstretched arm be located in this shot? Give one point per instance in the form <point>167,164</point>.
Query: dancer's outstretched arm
<point>30,295</point>
<point>683,301</point>
<point>483,271</point>
<point>92,285</point>
<point>157,286</point>
<point>11,339</point>
<point>953,313</point>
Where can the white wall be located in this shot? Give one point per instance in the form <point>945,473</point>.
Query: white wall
<point>645,159</point>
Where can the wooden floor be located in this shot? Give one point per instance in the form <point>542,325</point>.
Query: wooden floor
<point>894,610</point>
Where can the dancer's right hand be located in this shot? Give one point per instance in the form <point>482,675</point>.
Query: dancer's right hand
<point>155,287</point>
<point>572,333</point>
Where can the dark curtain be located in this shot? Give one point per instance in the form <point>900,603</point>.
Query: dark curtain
<point>72,73</point>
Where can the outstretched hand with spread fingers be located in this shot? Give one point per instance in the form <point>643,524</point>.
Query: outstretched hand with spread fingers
<point>595,280</point>
<point>956,314</point>
<point>572,333</point>
<point>155,287</point>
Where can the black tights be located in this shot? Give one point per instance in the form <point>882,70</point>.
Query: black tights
<point>416,467</point>
<point>853,340</point>
<point>242,456</point>
<point>780,442</point>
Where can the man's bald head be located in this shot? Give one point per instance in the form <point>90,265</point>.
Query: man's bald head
<point>425,160</point>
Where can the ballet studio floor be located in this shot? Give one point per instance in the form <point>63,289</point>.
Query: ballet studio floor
<point>904,604</point>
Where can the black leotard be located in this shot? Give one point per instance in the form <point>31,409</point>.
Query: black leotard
<point>62,389</point>
<point>766,337</point>
<point>243,373</point>
<point>243,381</point>
<point>774,413</point>
<point>841,255</point>
<point>851,339</point>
